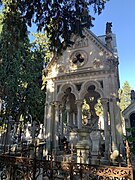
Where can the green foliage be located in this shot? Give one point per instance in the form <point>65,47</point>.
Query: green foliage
<point>125,101</point>
<point>1,17</point>
<point>85,109</point>
<point>59,18</point>
<point>131,139</point>
<point>124,96</point>
<point>20,69</point>
<point>41,43</point>
<point>99,108</point>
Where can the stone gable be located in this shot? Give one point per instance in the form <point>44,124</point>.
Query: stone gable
<point>87,54</point>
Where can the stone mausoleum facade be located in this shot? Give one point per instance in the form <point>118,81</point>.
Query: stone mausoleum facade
<point>85,74</point>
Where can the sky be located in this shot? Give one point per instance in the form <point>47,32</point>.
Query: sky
<point>122,15</point>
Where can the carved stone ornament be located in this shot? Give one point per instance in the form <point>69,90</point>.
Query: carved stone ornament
<point>79,58</point>
<point>80,42</point>
<point>98,63</point>
<point>60,67</point>
<point>108,27</point>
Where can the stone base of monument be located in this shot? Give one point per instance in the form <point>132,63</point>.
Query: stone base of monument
<point>96,139</point>
<point>83,146</point>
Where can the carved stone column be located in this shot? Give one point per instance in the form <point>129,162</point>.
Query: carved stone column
<point>56,125</point>
<point>127,125</point>
<point>61,121</point>
<point>79,113</point>
<point>68,112</point>
<point>0,104</point>
<point>108,38</point>
<point>48,125</point>
<point>68,117</point>
<point>118,126</point>
<point>74,120</point>
<point>104,102</point>
<point>45,116</point>
<point>113,127</point>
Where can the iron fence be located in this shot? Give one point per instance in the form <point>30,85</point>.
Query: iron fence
<point>25,168</point>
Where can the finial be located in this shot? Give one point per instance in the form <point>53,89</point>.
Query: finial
<point>108,38</point>
<point>108,27</point>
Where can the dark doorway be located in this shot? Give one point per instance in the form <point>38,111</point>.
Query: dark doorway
<point>132,123</point>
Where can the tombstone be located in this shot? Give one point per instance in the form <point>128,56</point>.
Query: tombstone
<point>7,141</point>
<point>27,133</point>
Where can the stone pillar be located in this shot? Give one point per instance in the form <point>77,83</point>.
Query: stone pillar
<point>48,126</point>
<point>108,37</point>
<point>68,117</point>
<point>79,114</point>
<point>74,119</point>
<point>0,104</point>
<point>104,102</point>
<point>127,125</point>
<point>68,111</point>
<point>61,121</point>
<point>118,126</point>
<point>113,126</point>
<point>95,136</point>
<point>56,125</point>
<point>45,116</point>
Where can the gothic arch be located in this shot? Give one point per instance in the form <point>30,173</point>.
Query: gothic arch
<point>63,89</point>
<point>132,123</point>
<point>90,83</point>
<point>128,111</point>
<point>133,112</point>
<point>130,117</point>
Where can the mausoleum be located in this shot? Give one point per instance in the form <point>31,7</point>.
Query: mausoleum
<point>83,76</point>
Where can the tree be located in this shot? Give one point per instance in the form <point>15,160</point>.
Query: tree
<point>125,96</point>
<point>21,65</point>
<point>41,43</point>
<point>1,22</point>
<point>125,101</point>
<point>59,18</point>
<point>20,69</point>
<point>131,139</point>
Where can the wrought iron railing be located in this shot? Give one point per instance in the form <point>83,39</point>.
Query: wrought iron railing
<point>26,168</point>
